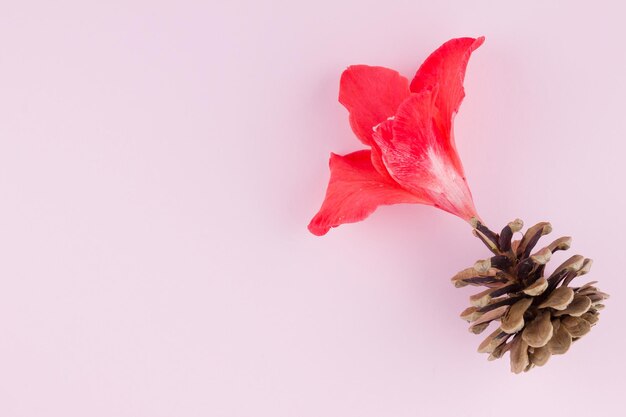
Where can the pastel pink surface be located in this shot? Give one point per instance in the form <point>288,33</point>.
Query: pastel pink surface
<point>159,162</point>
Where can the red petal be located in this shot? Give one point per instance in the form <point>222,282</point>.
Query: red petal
<point>415,158</point>
<point>444,70</point>
<point>383,129</point>
<point>354,191</point>
<point>371,95</point>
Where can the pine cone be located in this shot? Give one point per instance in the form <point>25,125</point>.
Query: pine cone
<point>537,316</point>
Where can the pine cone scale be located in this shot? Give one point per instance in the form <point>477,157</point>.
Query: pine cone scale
<point>539,331</point>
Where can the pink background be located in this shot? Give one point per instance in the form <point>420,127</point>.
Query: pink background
<point>159,162</point>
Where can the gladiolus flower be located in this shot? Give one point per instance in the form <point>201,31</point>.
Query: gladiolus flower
<point>408,128</point>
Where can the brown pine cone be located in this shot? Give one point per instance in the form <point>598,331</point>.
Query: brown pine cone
<point>537,316</point>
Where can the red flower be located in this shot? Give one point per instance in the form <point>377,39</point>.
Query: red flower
<point>412,156</point>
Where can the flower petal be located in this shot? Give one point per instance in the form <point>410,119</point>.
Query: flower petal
<point>354,191</point>
<point>444,70</point>
<point>371,95</point>
<point>415,158</point>
<point>385,130</point>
